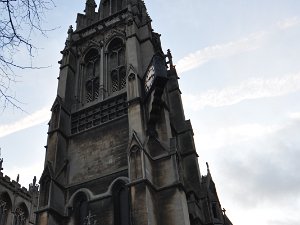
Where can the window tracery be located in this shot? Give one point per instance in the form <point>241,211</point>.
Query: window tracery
<point>116,62</point>
<point>92,71</point>
<point>5,207</point>
<point>111,7</point>
<point>20,216</point>
<point>3,212</point>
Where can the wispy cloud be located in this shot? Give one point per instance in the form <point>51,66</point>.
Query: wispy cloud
<point>202,56</point>
<point>249,89</point>
<point>253,42</point>
<point>34,119</point>
<point>289,22</point>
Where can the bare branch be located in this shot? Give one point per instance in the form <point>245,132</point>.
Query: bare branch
<point>19,19</point>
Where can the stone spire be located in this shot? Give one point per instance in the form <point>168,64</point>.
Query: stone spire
<point>90,6</point>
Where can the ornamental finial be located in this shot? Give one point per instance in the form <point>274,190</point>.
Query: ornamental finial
<point>90,6</point>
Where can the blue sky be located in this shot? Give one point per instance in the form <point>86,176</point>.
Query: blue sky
<point>239,69</point>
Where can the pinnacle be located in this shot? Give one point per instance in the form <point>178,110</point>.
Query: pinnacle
<point>91,3</point>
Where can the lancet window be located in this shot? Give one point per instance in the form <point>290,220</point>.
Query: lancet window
<point>3,212</point>
<point>116,5</point>
<point>45,189</point>
<point>80,209</point>
<point>135,163</point>
<point>112,6</point>
<point>92,71</point>
<point>121,205</point>
<point>215,210</point>
<point>116,64</point>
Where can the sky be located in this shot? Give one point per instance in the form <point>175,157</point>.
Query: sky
<point>238,63</point>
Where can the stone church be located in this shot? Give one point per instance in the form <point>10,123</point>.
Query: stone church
<point>119,149</point>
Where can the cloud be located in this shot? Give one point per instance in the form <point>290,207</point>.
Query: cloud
<point>34,119</point>
<point>228,136</point>
<point>250,89</point>
<point>253,42</point>
<point>256,170</point>
<point>264,170</point>
<point>294,115</point>
<point>285,221</point>
<point>289,23</point>
<point>202,56</point>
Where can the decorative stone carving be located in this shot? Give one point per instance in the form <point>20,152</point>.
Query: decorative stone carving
<point>114,32</point>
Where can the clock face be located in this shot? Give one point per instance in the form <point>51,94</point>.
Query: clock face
<point>149,78</point>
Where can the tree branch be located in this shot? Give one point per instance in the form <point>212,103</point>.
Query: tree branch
<point>19,19</point>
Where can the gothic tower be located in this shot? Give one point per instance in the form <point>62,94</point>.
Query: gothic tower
<point>119,149</point>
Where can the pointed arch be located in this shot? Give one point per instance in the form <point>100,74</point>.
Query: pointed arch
<point>54,122</point>
<point>91,73</point>
<point>110,7</point>
<point>80,208</point>
<point>55,109</point>
<point>116,5</point>
<point>21,214</point>
<point>45,182</point>
<point>135,162</point>
<point>83,191</point>
<point>116,64</point>
<point>121,201</point>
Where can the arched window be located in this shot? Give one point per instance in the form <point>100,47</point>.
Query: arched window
<point>215,210</point>
<point>21,215</point>
<point>45,189</point>
<point>5,208</point>
<point>135,163</point>
<point>116,64</point>
<point>55,117</point>
<point>80,209</point>
<point>121,204</point>
<point>92,71</point>
<point>116,5</point>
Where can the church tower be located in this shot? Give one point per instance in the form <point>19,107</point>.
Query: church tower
<point>119,149</point>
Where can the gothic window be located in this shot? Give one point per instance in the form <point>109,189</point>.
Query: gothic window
<point>20,215</point>
<point>116,5</point>
<point>80,209</point>
<point>116,62</point>
<point>55,117</point>
<point>215,210</point>
<point>3,212</point>
<point>121,204</point>
<point>5,207</point>
<point>112,6</point>
<point>92,71</point>
<point>135,163</point>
